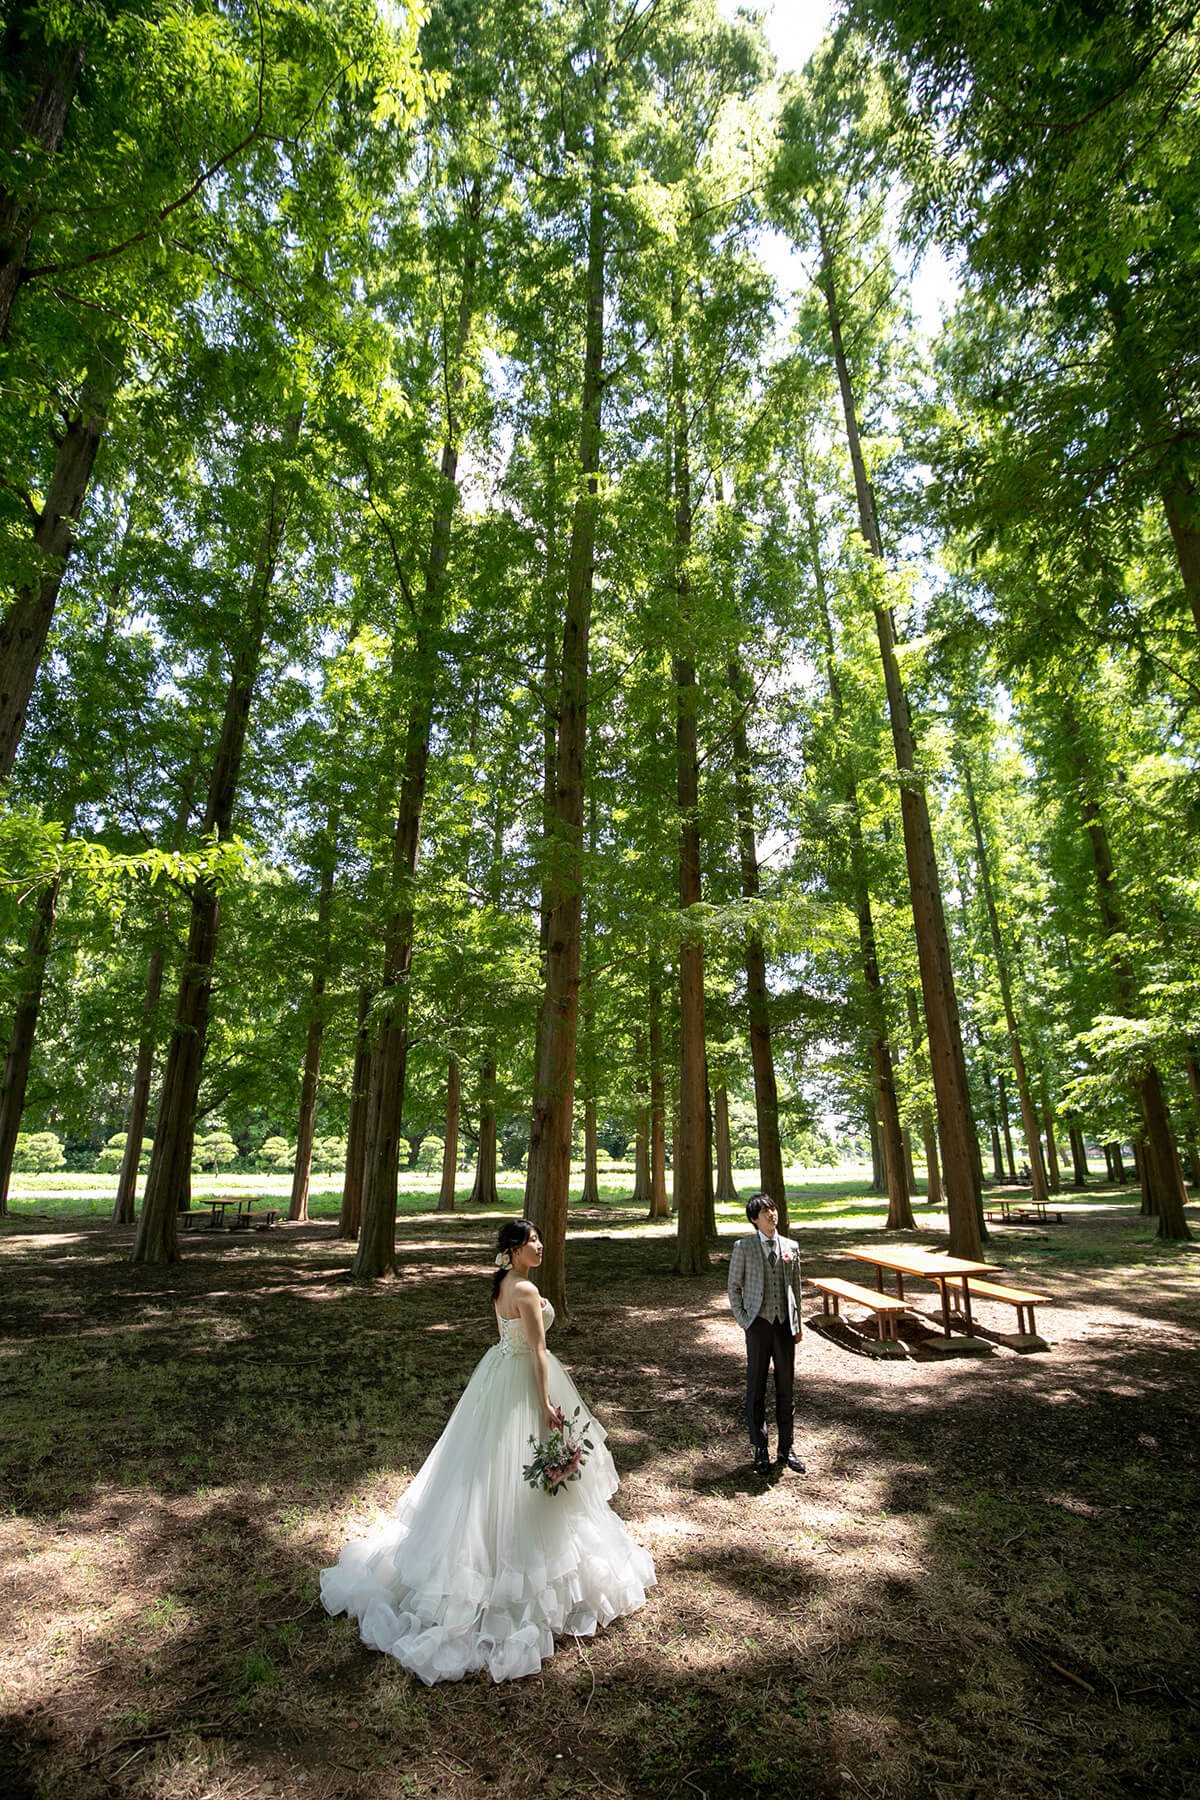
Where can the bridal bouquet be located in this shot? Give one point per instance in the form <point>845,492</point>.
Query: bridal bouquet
<point>560,1457</point>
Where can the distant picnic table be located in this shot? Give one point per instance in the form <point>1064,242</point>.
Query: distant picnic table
<point>1017,1212</point>
<point>242,1206</point>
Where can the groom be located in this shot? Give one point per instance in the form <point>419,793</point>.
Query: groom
<point>764,1292</point>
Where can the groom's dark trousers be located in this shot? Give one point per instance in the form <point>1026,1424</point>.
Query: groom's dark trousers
<point>770,1341</point>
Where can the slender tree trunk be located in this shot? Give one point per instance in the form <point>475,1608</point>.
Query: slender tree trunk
<point>168,1183</point>
<point>762,1058</point>
<point>1116,1162</point>
<point>350,1216</point>
<point>450,1149</point>
<point>1141,1163</point>
<point>1163,432</point>
<point>933,1177</point>
<point>310,1080</point>
<point>124,1206</point>
<point>1160,1165</point>
<point>27,619</point>
<point>1193,1149</point>
<point>956,1129</point>
<point>1051,1141</point>
<point>1002,1085</point>
<point>590,1195</point>
<point>878,1171</point>
<point>548,1181</point>
<point>886,1105</point>
<point>484,1193</point>
<point>376,1252</point>
<point>691,1157</point>
<point>1078,1156</point>
<point>660,1207</point>
<point>49,74</point>
<point>124,1211</point>
<point>726,1192</point>
<point>1192,1067</point>
<point>641,1130</point>
<point>910,1179</point>
<point>1029,1119</point>
<point>15,1078</point>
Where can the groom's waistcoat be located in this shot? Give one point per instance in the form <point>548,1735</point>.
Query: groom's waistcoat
<point>774,1300</point>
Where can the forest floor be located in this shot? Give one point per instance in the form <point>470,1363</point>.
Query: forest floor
<point>985,1585</point>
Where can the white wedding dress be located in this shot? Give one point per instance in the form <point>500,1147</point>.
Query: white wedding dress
<point>477,1570</point>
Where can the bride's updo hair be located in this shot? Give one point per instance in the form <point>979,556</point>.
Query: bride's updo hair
<point>513,1233</point>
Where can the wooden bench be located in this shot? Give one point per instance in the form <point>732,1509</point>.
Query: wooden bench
<point>885,1307</point>
<point>989,1290</point>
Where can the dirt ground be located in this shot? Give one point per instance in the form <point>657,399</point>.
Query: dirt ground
<point>985,1585</point>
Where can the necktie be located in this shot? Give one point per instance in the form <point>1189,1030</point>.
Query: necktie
<point>771,1258</point>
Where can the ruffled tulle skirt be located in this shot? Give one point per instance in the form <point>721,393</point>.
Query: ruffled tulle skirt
<point>477,1570</point>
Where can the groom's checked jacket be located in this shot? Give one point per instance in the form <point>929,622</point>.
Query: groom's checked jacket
<point>747,1279</point>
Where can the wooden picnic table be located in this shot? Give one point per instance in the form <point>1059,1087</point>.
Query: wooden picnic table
<point>243,1205</point>
<point>929,1265</point>
<point>1018,1212</point>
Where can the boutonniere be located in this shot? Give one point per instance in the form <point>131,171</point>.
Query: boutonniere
<point>787,1256</point>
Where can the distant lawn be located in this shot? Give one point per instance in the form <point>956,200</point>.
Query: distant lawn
<point>816,1197</point>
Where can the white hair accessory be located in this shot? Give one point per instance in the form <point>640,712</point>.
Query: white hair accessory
<point>502,1259</point>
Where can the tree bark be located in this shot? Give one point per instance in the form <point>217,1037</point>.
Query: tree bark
<point>1116,1162</point>
<point>878,1170</point>
<point>484,1193</point>
<point>15,1078</point>
<point>350,1215</point>
<point>933,1177</point>
<point>168,1183</point>
<point>124,1210</point>
<point>1078,1156</point>
<point>306,1125</point>
<point>1002,1086</point>
<point>691,1150</point>
<point>1051,1142</point>
<point>660,1207</point>
<point>1160,1167</point>
<point>590,1194</point>
<point>762,1057</point>
<point>50,76</point>
<point>883,1075</point>
<point>1029,1119</point>
<point>956,1130</point>
<point>27,620</point>
<point>548,1181</point>
<point>1192,1067</point>
<point>726,1193</point>
<point>376,1252</point>
<point>910,1179</point>
<point>641,1129</point>
<point>450,1149</point>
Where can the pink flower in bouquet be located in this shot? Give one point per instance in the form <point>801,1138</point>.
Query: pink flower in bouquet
<point>559,1458</point>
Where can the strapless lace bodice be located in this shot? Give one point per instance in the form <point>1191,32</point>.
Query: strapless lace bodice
<point>513,1341</point>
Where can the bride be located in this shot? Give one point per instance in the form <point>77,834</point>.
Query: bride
<point>477,1570</point>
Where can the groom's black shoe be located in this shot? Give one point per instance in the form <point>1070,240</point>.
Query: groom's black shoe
<point>762,1463</point>
<point>790,1460</point>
